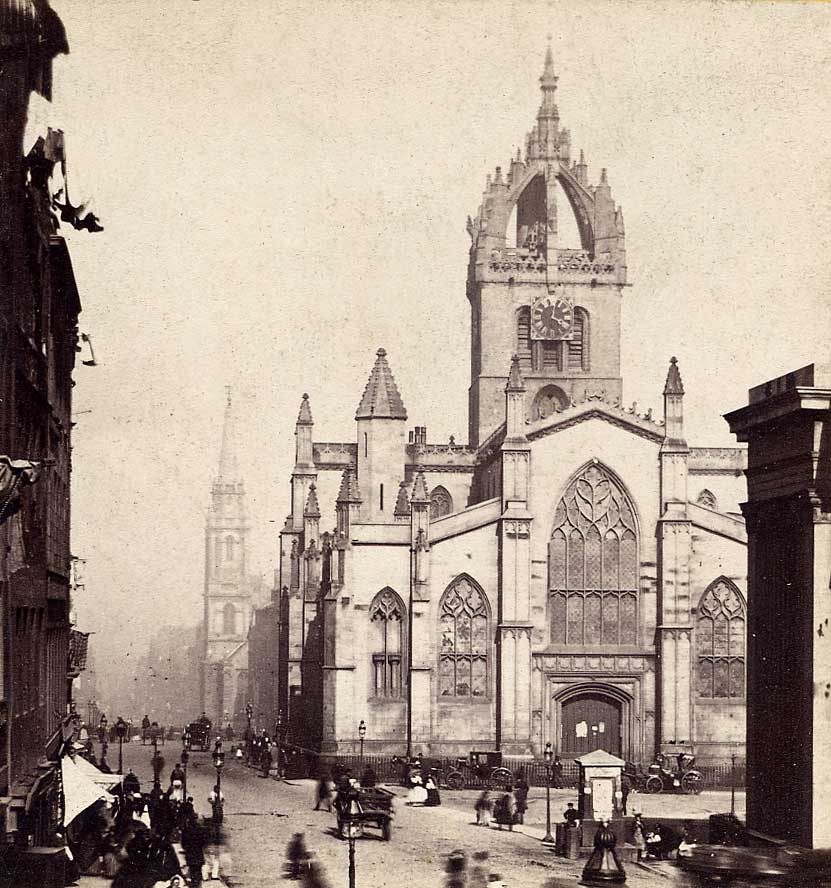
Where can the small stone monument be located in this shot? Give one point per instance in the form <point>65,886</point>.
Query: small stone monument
<point>603,867</point>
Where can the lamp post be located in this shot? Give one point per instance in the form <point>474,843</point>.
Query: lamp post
<point>102,730</point>
<point>249,714</point>
<point>185,757</point>
<point>280,731</point>
<point>354,828</point>
<point>218,756</point>
<point>120,732</point>
<point>361,735</point>
<point>733,782</point>
<point>548,755</point>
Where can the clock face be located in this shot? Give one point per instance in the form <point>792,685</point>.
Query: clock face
<point>552,317</point>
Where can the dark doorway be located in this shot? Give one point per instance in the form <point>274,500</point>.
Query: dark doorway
<point>590,721</point>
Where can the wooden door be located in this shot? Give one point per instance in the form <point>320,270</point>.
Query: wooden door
<point>590,722</point>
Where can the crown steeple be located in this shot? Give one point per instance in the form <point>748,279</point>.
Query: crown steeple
<point>548,85</point>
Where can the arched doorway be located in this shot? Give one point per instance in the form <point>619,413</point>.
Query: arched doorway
<point>591,721</point>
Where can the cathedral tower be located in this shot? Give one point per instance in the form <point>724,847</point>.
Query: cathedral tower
<point>227,604</point>
<point>554,303</point>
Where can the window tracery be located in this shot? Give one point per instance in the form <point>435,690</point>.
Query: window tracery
<point>593,564</point>
<point>386,617</point>
<point>720,642</point>
<point>463,649</point>
<point>441,503</point>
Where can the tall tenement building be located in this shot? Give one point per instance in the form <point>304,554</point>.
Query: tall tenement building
<point>39,309</point>
<point>575,574</point>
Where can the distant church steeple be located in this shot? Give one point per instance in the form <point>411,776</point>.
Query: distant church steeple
<point>227,596</point>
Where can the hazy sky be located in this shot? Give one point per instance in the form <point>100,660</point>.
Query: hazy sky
<point>284,189</point>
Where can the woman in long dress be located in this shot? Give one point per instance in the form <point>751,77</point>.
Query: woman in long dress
<point>417,794</point>
<point>433,799</point>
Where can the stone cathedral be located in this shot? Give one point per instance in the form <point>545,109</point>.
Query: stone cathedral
<point>574,574</point>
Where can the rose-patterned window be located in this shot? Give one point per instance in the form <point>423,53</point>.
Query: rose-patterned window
<point>719,641</point>
<point>441,503</point>
<point>463,652</point>
<point>386,618</point>
<point>593,564</point>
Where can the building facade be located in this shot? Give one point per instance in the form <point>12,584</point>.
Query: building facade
<point>787,426</point>
<point>575,574</point>
<point>39,307</point>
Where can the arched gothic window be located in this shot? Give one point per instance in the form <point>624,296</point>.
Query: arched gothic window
<point>593,564</point>
<point>707,499</point>
<point>463,652</point>
<point>229,619</point>
<point>441,503</point>
<point>719,641</point>
<point>229,548</point>
<point>386,617</point>
<point>578,345</point>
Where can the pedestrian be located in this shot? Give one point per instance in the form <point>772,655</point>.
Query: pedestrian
<point>418,794</point>
<point>131,783</point>
<point>505,809</point>
<point>521,796</point>
<point>145,724</point>
<point>483,808</point>
<point>557,769</point>
<point>296,855</point>
<point>265,762</point>
<point>158,765</point>
<point>368,778</point>
<point>639,835</point>
<point>456,869</point>
<point>314,876</point>
<point>324,793</point>
<point>625,789</point>
<point>178,773</point>
<point>433,799</point>
<point>571,815</point>
<point>193,846</point>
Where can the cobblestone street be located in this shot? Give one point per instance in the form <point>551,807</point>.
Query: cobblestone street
<point>261,816</point>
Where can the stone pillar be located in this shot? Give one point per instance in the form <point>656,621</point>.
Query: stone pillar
<point>787,427</point>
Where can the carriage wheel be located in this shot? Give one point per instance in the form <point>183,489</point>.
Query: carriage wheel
<point>691,783</point>
<point>455,780</point>
<point>654,784</point>
<point>501,778</point>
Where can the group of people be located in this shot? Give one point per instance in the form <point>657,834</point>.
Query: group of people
<point>132,838</point>
<point>424,790</point>
<point>508,808</point>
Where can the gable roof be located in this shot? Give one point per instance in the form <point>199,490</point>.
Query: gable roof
<point>571,416</point>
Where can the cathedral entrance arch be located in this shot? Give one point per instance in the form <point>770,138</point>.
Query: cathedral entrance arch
<point>589,715</point>
<point>589,722</point>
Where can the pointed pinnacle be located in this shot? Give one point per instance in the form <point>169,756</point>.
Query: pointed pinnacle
<point>674,384</point>
<point>515,381</point>
<point>402,502</point>
<point>304,416</point>
<point>381,398</point>
<point>420,494</point>
<point>312,509</point>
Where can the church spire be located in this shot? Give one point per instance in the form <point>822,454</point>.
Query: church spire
<point>548,85</point>
<point>228,468</point>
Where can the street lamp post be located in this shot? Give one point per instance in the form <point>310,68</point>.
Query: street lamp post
<point>280,732</point>
<point>548,755</point>
<point>185,757</point>
<point>733,782</point>
<point>218,756</point>
<point>354,828</point>
<point>120,731</point>
<point>361,735</point>
<point>249,714</point>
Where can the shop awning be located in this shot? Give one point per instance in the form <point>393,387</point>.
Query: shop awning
<point>79,790</point>
<point>99,777</point>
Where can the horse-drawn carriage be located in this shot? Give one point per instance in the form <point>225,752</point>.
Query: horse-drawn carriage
<point>662,778</point>
<point>197,735</point>
<point>366,807</point>
<point>481,768</point>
